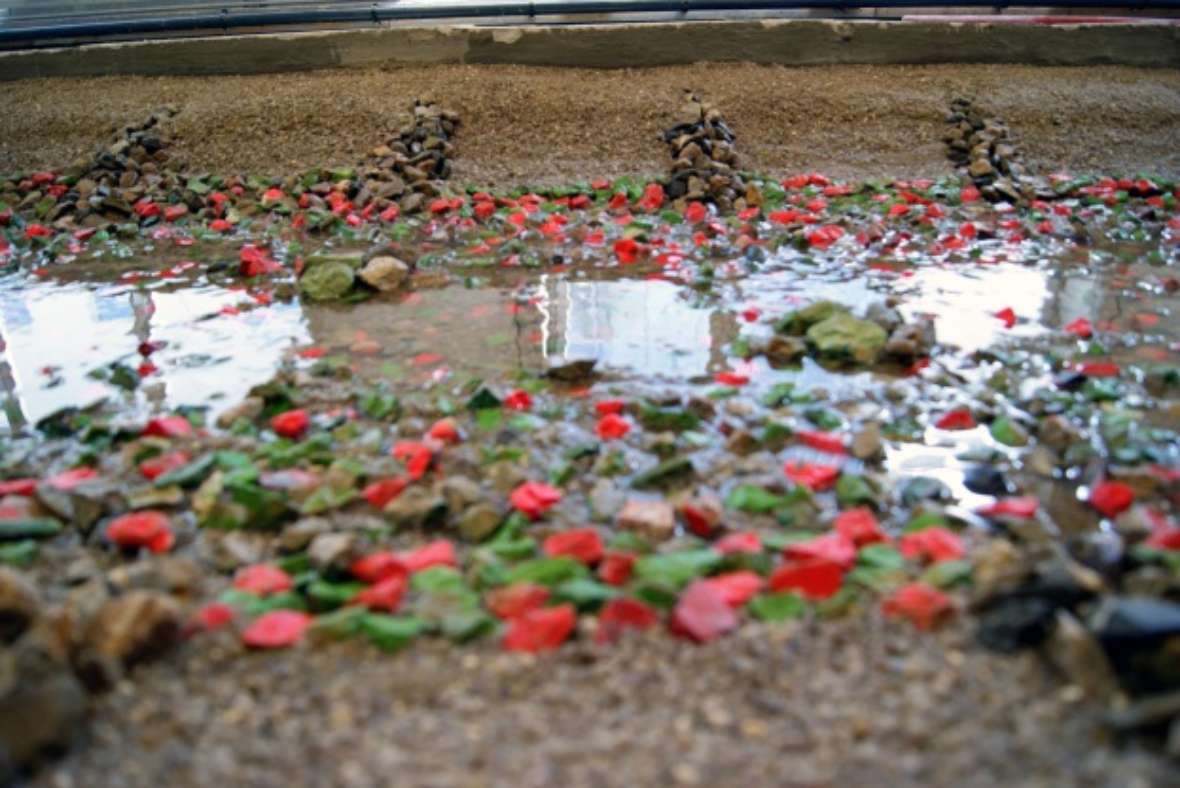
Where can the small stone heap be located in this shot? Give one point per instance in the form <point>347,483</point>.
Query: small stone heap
<point>982,146</point>
<point>704,162</point>
<point>108,184</point>
<point>408,166</point>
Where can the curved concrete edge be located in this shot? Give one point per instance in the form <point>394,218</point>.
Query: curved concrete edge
<point>783,42</point>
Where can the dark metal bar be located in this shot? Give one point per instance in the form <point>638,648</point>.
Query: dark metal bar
<point>228,20</point>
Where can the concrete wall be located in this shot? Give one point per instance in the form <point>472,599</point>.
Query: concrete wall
<point>788,42</point>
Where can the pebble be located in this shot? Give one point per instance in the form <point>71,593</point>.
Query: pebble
<point>867,443</point>
<point>126,629</point>
<point>784,350</point>
<point>19,604</point>
<point>1077,654</point>
<point>478,522</point>
<point>461,492</point>
<point>416,506</point>
<point>299,535</point>
<point>654,520</point>
<point>330,551</point>
<point>385,273</point>
<point>42,707</point>
<point>572,371</point>
<point>248,409</point>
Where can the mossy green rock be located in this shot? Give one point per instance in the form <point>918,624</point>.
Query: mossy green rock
<point>843,336</point>
<point>327,281</point>
<point>800,320</point>
<point>353,259</point>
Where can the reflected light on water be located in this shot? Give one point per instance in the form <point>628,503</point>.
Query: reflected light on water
<point>56,334</point>
<point>640,325</point>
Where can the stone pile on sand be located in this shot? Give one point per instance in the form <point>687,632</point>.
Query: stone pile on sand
<point>984,149</point>
<point>704,160</point>
<point>407,167</point>
<point>106,186</point>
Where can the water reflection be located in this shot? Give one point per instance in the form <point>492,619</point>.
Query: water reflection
<point>637,326</point>
<point>961,299</point>
<point>644,326</point>
<point>55,334</point>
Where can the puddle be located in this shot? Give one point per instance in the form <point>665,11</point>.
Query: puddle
<point>961,299</point>
<point>215,343</point>
<point>638,327</point>
<point>56,335</point>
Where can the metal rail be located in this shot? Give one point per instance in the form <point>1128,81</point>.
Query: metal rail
<point>227,20</point>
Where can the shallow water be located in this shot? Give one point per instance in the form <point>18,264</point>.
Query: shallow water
<point>215,341</point>
<point>57,335</point>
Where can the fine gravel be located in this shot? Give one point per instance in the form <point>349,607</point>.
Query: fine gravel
<point>544,125</point>
<point>857,701</point>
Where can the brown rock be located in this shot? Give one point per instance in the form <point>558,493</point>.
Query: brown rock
<point>784,350</point>
<point>866,443</point>
<point>742,443</point>
<point>572,371</point>
<point>385,273</point>
<point>415,507</point>
<point>998,565</point>
<point>652,519</point>
<point>980,168</point>
<point>162,573</point>
<point>127,629</point>
<point>248,409</point>
<point>460,492</point>
<point>19,604</point>
<point>42,705</point>
<point>333,551</point>
<point>479,522</point>
<point>1058,433</point>
<point>412,203</point>
<point>1077,654</point>
<point>300,535</point>
<point>911,340</point>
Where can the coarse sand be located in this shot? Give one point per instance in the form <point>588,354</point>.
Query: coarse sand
<point>545,125</point>
<point>856,701</point>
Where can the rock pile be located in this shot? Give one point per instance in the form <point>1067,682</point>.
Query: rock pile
<point>106,186</point>
<point>704,161</point>
<point>136,178</point>
<point>407,167</point>
<point>983,147</point>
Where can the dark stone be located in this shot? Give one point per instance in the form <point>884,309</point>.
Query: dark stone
<point>572,371</point>
<point>986,480</point>
<point>1016,622</point>
<point>923,488</point>
<point>1070,381</point>
<point>1141,636</point>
